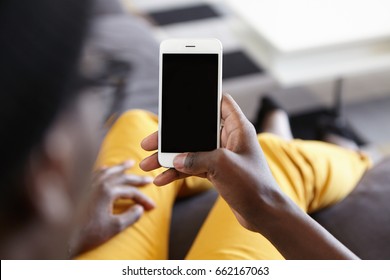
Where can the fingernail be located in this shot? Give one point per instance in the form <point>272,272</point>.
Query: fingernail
<point>129,163</point>
<point>103,167</point>
<point>148,179</point>
<point>152,204</point>
<point>138,209</point>
<point>179,161</point>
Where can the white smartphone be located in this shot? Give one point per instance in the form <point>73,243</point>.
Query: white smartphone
<point>189,97</point>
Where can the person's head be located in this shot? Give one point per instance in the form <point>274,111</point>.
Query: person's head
<point>48,126</point>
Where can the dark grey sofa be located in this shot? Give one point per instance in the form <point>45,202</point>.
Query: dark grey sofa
<point>361,221</point>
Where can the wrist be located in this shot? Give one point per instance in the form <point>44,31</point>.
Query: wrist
<point>297,236</point>
<point>274,211</point>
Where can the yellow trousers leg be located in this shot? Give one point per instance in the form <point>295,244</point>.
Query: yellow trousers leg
<point>313,174</point>
<point>148,238</point>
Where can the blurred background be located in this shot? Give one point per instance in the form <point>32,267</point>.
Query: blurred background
<point>315,58</point>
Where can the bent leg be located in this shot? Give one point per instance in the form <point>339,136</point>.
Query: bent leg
<point>223,238</point>
<point>313,174</point>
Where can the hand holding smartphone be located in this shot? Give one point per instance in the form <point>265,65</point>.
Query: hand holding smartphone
<point>189,97</point>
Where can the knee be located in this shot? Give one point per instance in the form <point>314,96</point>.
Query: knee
<point>138,117</point>
<point>136,113</point>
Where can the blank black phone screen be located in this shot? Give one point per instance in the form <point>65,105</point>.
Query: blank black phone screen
<point>189,103</point>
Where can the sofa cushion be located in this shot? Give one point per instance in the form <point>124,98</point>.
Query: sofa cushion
<point>362,220</point>
<point>187,218</point>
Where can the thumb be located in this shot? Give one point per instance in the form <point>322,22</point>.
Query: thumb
<point>194,163</point>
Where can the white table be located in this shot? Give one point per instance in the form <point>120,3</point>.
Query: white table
<point>302,41</point>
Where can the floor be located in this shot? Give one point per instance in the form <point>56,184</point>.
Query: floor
<point>366,97</point>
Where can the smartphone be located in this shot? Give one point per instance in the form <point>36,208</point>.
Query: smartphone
<point>189,97</point>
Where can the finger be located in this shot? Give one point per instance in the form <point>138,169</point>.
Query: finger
<point>169,176</point>
<point>229,106</point>
<point>134,180</point>
<point>150,143</point>
<point>134,194</point>
<point>101,168</point>
<point>150,163</point>
<point>129,217</point>
<point>98,172</point>
<point>198,163</point>
<point>232,115</point>
<point>236,126</point>
<point>116,169</point>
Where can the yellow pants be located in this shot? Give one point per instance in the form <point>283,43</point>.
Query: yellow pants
<point>313,174</point>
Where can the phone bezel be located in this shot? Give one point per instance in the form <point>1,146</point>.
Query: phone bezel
<point>188,46</point>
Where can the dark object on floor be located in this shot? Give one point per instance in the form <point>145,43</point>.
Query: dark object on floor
<point>238,63</point>
<point>266,106</point>
<point>337,126</point>
<point>306,125</point>
<point>186,14</point>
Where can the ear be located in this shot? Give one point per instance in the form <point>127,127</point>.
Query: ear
<point>49,177</point>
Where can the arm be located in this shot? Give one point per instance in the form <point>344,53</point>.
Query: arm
<point>297,236</point>
<point>240,173</point>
